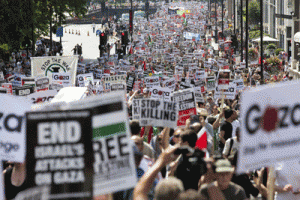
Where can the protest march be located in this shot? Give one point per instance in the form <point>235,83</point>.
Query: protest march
<point>176,116</point>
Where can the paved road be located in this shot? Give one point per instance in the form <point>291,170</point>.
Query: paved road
<point>89,43</point>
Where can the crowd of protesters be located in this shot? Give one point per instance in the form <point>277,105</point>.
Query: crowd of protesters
<point>169,166</point>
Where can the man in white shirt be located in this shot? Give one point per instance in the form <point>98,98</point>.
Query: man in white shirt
<point>232,145</point>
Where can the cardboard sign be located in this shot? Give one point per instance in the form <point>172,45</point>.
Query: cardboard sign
<point>62,79</point>
<point>130,82</point>
<point>136,109</point>
<point>198,95</point>
<point>24,91</point>
<point>45,66</point>
<point>110,80</point>
<point>8,87</point>
<point>223,79</point>
<point>151,81</point>
<point>42,84</point>
<point>157,112</point>
<point>114,166</point>
<point>83,80</point>
<point>170,83</point>
<point>239,84</point>
<point>270,126</point>
<point>186,105</point>
<point>161,93</point>
<point>12,130</point>
<point>210,83</point>
<point>229,93</point>
<point>117,86</point>
<point>59,144</point>
<point>41,97</point>
<point>17,81</point>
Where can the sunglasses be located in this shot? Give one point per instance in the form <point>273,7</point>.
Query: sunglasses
<point>177,136</point>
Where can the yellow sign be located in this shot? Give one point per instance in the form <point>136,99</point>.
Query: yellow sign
<point>150,74</point>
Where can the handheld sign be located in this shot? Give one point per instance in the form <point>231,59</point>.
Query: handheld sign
<point>270,126</point>
<point>59,145</point>
<point>12,129</point>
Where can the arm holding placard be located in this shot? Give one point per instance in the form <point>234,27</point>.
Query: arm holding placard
<point>217,123</point>
<point>145,183</point>
<point>165,137</point>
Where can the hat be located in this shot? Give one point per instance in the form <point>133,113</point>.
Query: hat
<point>223,165</point>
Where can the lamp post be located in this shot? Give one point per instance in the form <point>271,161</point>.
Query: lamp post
<point>242,40</point>
<point>261,44</point>
<point>234,28</point>
<point>247,33</point>
<point>222,18</point>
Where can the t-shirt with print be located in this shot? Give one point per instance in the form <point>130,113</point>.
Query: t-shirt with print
<point>233,192</point>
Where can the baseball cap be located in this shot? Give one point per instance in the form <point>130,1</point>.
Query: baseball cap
<point>223,165</point>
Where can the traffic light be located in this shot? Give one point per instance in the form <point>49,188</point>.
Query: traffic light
<point>130,21</point>
<point>124,38</point>
<point>103,39</point>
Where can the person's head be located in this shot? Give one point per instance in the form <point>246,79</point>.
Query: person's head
<point>224,172</point>
<point>138,155</point>
<point>138,142</point>
<point>135,127</point>
<point>189,194</point>
<point>210,100</point>
<point>188,137</point>
<point>176,136</point>
<point>168,189</point>
<point>215,110</point>
<point>201,105</point>
<point>229,114</point>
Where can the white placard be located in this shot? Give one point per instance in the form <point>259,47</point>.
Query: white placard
<point>12,123</point>
<point>270,118</point>
<point>161,93</point>
<point>41,97</point>
<point>229,93</point>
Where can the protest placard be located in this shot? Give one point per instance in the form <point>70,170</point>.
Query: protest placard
<point>270,126</point>
<point>136,109</point>
<point>45,66</point>
<point>1,76</point>
<point>29,81</point>
<point>151,81</point>
<point>223,79</point>
<point>8,87</point>
<point>108,81</point>
<point>13,131</point>
<point>198,95</point>
<point>84,80</point>
<point>170,83</point>
<point>210,83</point>
<point>42,84</point>
<point>229,93</point>
<point>24,90</point>
<point>161,93</point>
<point>239,84</point>
<point>114,166</point>
<point>130,82</point>
<point>186,105</point>
<point>62,79</point>
<point>157,112</point>
<point>41,97</point>
<point>59,145</point>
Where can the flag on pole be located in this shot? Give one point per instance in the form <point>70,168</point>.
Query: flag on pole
<point>201,142</point>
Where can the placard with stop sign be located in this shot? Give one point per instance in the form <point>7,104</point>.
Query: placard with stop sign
<point>270,118</point>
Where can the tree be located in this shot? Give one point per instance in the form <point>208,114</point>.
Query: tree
<point>254,12</point>
<point>31,18</point>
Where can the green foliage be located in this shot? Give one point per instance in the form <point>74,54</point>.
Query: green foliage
<point>253,34</point>
<point>271,46</point>
<point>273,61</point>
<point>277,51</point>
<point>253,53</point>
<point>20,18</point>
<point>254,12</point>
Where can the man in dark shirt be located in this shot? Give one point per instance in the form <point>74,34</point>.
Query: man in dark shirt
<point>226,127</point>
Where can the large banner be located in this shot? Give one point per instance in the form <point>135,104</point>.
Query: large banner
<point>12,127</point>
<point>45,66</point>
<point>270,118</point>
<point>186,105</point>
<point>59,146</point>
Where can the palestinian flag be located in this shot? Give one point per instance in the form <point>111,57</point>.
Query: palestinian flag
<point>183,15</point>
<point>130,50</point>
<point>144,63</point>
<point>149,38</point>
<point>201,142</point>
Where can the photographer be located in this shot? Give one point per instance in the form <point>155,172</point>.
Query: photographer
<point>191,165</point>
